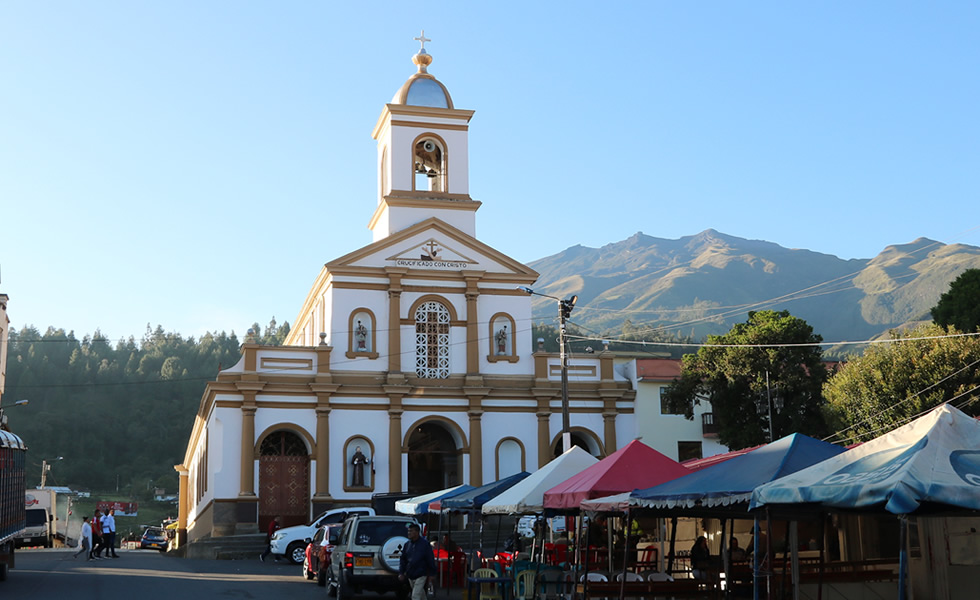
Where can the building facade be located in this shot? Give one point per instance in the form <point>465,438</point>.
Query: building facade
<point>411,365</point>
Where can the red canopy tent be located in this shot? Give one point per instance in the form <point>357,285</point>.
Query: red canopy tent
<point>634,466</point>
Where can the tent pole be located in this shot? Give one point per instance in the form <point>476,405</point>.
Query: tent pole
<point>823,554</point>
<point>724,553</point>
<point>755,558</point>
<point>626,550</point>
<point>588,532</point>
<point>903,563</point>
<point>768,554</point>
<point>794,540</point>
<point>673,538</point>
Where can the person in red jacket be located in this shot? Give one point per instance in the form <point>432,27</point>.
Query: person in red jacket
<point>97,544</point>
<point>273,527</point>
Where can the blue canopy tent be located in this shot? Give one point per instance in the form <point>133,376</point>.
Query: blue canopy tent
<point>723,490</point>
<point>419,505</point>
<point>930,466</point>
<point>727,486</point>
<point>473,500</point>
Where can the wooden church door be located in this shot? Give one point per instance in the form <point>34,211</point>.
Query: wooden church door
<point>284,480</point>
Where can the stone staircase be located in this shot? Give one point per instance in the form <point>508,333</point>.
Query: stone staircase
<point>228,547</point>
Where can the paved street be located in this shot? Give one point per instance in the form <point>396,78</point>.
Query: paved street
<point>150,575</point>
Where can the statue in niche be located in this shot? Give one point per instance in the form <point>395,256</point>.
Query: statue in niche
<point>360,337</point>
<point>502,341</point>
<point>358,460</point>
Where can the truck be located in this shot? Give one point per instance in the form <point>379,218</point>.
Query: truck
<point>40,530</point>
<point>13,511</point>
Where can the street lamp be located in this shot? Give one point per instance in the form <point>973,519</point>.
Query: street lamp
<point>3,417</point>
<point>45,467</point>
<point>564,310</point>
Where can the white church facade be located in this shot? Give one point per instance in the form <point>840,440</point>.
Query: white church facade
<point>411,365</point>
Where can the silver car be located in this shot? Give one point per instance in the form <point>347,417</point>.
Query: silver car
<point>367,556</point>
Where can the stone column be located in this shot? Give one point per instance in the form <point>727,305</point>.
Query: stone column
<point>183,502</point>
<point>476,447</point>
<point>609,431</point>
<point>395,449</point>
<point>394,320</point>
<point>544,438</point>
<point>472,324</point>
<point>247,487</point>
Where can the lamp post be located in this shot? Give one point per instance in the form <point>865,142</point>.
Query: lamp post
<point>564,310</point>
<point>3,417</point>
<point>45,467</point>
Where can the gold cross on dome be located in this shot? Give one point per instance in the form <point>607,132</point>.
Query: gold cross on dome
<point>422,39</point>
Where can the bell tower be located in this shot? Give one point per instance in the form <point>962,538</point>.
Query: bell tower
<point>423,165</point>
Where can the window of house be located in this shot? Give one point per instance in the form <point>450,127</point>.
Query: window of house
<point>665,408</point>
<point>688,450</point>
<point>432,341</point>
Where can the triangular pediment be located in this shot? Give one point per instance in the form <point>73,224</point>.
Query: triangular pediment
<point>432,245</point>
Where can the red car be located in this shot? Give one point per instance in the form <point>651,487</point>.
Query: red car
<point>318,552</point>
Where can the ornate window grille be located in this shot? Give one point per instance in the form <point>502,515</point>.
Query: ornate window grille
<point>432,341</point>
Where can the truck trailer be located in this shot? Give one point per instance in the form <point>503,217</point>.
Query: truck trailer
<point>13,510</point>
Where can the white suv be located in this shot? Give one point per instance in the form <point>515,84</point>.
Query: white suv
<point>291,541</point>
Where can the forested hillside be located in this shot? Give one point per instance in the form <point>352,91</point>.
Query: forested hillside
<point>119,412</point>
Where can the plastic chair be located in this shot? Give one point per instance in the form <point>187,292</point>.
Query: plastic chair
<point>630,576</point>
<point>489,590</point>
<point>524,584</point>
<point>659,577</point>
<point>550,583</point>
<point>593,576</point>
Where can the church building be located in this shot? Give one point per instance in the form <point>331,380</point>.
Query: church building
<point>411,365</point>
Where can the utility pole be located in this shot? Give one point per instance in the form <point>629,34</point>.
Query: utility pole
<point>564,311</point>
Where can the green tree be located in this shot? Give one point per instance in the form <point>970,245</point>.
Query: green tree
<point>960,306</point>
<point>740,371</point>
<point>894,382</point>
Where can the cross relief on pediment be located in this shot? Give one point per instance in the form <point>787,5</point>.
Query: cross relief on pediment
<point>432,254</point>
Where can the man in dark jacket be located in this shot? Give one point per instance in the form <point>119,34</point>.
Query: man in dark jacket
<point>417,565</point>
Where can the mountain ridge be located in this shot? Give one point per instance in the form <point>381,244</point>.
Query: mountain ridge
<point>704,283</point>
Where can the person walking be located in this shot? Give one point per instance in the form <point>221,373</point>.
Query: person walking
<point>109,533</point>
<point>273,527</point>
<point>86,545</point>
<point>98,544</point>
<point>417,564</point>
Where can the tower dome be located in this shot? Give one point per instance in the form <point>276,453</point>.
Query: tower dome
<point>422,89</point>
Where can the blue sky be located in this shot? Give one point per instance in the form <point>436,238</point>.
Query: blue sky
<point>194,164</point>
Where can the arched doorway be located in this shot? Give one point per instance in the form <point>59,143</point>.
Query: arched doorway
<point>284,479</point>
<point>578,439</point>
<point>434,461</point>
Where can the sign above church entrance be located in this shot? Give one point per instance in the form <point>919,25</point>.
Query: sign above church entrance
<point>432,254</point>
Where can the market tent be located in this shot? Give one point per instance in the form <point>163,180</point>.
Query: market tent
<point>732,481</point>
<point>419,505</point>
<point>474,499</point>
<point>633,466</point>
<point>932,461</point>
<point>528,495</point>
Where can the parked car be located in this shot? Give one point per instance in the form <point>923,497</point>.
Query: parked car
<point>318,552</point>
<point>154,537</point>
<point>291,541</point>
<point>367,556</point>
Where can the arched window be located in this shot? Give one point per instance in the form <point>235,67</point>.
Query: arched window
<point>432,340</point>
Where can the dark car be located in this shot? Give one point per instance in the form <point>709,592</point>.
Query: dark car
<point>155,538</point>
<point>318,552</point>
